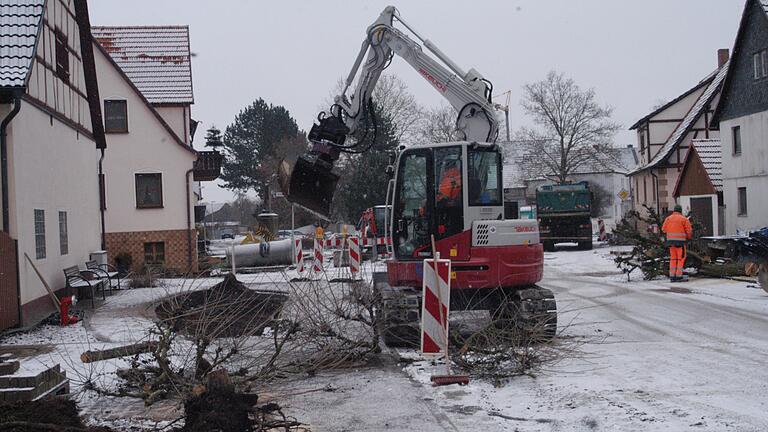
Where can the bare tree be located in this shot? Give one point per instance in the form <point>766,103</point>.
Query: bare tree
<point>438,124</point>
<point>572,128</point>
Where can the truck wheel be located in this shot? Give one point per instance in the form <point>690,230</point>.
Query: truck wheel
<point>549,246</point>
<point>587,245</point>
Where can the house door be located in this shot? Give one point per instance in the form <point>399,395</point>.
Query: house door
<point>701,209</point>
<point>9,300</point>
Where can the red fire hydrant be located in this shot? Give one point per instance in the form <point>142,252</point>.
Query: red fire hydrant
<point>64,306</point>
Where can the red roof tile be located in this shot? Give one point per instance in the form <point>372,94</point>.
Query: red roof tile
<point>155,58</point>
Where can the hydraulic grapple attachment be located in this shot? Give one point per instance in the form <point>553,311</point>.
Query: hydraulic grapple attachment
<point>310,182</point>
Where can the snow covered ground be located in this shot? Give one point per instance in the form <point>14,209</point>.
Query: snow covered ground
<point>659,357</point>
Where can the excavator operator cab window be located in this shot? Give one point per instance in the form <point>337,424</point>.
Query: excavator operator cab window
<point>413,207</point>
<point>448,192</point>
<point>484,177</point>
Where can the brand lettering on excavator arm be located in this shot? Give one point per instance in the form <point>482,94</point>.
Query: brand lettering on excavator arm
<point>437,84</point>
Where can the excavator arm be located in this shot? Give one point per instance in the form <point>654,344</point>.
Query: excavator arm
<point>311,182</point>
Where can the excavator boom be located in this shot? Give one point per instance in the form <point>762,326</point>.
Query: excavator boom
<point>310,182</point>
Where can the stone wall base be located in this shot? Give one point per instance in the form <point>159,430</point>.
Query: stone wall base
<point>176,248</point>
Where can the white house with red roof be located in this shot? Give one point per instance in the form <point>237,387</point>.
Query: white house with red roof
<point>145,82</point>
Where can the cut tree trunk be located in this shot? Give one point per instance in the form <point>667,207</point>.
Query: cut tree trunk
<point>123,351</point>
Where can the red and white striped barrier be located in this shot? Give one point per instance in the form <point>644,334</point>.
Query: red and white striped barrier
<point>435,303</point>
<point>317,262</point>
<point>298,256</point>
<point>354,256</point>
<point>335,243</point>
<point>601,226</point>
<point>379,241</point>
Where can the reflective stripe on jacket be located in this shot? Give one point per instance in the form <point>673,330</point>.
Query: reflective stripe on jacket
<point>677,228</point>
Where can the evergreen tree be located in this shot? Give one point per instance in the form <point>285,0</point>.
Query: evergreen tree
<point>251,145</point>
<point>213,138</point>
<point>364,180</point>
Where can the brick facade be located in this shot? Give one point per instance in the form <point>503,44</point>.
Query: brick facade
<point>176,248</point>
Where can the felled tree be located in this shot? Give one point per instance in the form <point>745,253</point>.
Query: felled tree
<point>649,254</point>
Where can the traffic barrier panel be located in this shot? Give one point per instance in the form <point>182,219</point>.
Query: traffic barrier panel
<point>317,262</point>
<point>354,256</point>
<point>436,298</point>
<point>603,235</point>
<point>299,257</point>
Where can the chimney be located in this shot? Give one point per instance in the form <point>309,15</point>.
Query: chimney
<point>722,57</point>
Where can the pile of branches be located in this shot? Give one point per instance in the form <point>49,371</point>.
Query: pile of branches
<point>649,252</point>
<point>254,336</point>
<point>643,233</point>
<point>506,347</point>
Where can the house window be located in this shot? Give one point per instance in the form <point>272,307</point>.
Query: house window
<point>62,56</point>
<point>39,234</point>
<point>760,64</point>
<point>736,133</point>
<point>115,116</point>
<point>154,253</point>
<point>149,190</point>
<point>63,233</point>
<point>742,201</point>
<point>645,191</point>
<point>642,142</point>
<point>764,62</point>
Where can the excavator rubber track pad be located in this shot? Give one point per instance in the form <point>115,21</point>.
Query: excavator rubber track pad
<point>312,186</point>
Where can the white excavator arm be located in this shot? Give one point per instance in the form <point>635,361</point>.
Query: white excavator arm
<point>310,182</point>
<point>468,92</point>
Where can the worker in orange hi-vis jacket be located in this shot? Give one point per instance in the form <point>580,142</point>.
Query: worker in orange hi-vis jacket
<point>449,189</point>
<point>678,231</point>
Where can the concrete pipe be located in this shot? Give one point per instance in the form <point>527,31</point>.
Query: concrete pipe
<point>278,252</point>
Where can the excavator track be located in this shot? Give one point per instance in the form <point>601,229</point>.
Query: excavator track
<point>536,313</point>
<point>530,312</point>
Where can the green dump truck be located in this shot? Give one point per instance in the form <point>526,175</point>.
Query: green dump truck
<point>564,215</point>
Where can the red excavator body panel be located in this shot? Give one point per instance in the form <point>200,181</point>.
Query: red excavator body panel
<point>476,267</point>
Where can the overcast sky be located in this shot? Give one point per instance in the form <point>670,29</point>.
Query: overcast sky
<point>291,53</point>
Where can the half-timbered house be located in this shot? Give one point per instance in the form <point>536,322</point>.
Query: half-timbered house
<point>664,137</point>
<point>52,141</point>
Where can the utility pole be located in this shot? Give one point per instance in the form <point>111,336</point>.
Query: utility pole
<point>505,108</point>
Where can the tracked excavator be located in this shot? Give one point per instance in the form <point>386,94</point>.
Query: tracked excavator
<point>450,191</point>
